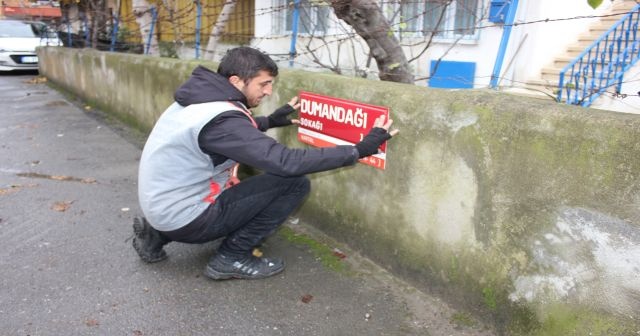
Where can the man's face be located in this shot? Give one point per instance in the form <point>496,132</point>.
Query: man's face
<point>255,88</point>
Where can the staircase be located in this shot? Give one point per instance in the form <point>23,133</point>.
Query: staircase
<point>598,60</point>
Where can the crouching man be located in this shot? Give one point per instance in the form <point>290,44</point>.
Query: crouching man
<point>187,184</point>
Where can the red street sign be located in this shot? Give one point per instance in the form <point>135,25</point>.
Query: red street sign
<point>328,122</point>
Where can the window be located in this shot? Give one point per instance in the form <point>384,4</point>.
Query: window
<point>313,16</point>
<point>465,19</point>
<point>448,19</point>
<point>434,12</point>
<point>10,28</point>
<point>410,12</point>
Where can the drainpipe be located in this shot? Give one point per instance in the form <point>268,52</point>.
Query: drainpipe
<point>502,50</point>
<point>86,30</point>
<point>154,17</point>
<point>198,25</point>
<point>294,32</point>
<point>115,25</point>
<point>114,32</point>
<point>69,32</point>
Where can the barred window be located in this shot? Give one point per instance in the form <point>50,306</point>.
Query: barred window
<point>447,19</point>
<point>313,16</point>
<point>465,18</point>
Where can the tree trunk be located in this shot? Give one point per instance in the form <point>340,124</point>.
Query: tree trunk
<point>175,25</point>
<point>144,18</point>
<point>218,28</point>
<point>98,24</point>
<point>367,20</point>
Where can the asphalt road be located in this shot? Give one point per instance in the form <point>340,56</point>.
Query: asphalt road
<point>67,199</point>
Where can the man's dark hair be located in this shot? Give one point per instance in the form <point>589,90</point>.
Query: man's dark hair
<point>245,63</point>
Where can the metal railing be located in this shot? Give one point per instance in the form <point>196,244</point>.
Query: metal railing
<point>603,63</point>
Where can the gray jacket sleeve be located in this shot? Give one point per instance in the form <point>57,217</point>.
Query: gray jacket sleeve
<point>232,135</point>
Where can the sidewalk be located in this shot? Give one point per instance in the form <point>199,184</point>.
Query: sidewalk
<point>67,199</point>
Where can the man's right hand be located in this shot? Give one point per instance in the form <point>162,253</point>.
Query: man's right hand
<point>280,117</point>
<point>378,135</point>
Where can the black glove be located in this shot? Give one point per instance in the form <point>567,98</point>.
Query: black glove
<point>279,117</point>
<point>370,143</point>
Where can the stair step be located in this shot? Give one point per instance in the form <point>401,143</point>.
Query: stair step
<point>613,17</point>
<point>542,84</point>
<point>595,35</point>
<point>588,38</point>
<point>577,49</point>
<point>531,91</point>
<point>567,81</point>
<point>557,70</point>
<point>562,61</point>
<point>623,5</point>
<point>600,29</point>
<point>550,75</point>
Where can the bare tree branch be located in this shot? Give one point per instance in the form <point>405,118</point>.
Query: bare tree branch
<point>433,33</point>
<point>366,18</point>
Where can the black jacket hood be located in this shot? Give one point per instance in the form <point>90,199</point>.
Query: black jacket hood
<point>205,86</point>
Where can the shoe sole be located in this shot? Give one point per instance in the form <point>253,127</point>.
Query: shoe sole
<point>215,275</point>
<point>163,255</point>
<point>138,228</point>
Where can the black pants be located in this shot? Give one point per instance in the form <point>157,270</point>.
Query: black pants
<point>246,213</point>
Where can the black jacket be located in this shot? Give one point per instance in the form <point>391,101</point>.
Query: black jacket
<point>232,135</point>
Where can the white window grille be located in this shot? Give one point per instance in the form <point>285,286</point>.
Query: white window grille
<point>314,16</point>
<point>457,19</point>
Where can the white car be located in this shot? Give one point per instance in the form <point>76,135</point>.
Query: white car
<point>18,42</point>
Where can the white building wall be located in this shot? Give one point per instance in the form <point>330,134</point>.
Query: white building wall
<point>628,100</point>
<point>531,45</point>
<point>544,30</point>
<point>482,51</point>
<point>269,37</point>
<point>542,42</point>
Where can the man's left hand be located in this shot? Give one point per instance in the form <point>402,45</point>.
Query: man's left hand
<point>280,118</point>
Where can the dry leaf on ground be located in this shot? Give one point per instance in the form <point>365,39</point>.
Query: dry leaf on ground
<point>87,180</point>
<point>91,322</point>
<point>9,190</point>
<point>306,298</point>
<point>61,206</point>
<point>37,80</point>
<point>16,187</point>
<point>339,254</point>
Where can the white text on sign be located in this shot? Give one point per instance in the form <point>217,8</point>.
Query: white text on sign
<point>334,113</point>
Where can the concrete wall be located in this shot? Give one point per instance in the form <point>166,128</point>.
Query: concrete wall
<point>526,212</point>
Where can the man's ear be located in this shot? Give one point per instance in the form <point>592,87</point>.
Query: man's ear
<point>237,82</point>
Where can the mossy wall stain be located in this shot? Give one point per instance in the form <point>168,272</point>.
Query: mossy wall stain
<point>501,166</point>
<point>321,251</point>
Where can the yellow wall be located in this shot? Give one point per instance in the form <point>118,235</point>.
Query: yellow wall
<point>181,24</point>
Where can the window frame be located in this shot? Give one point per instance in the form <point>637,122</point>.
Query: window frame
<point>283,18</point>
<point>394,8</point>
